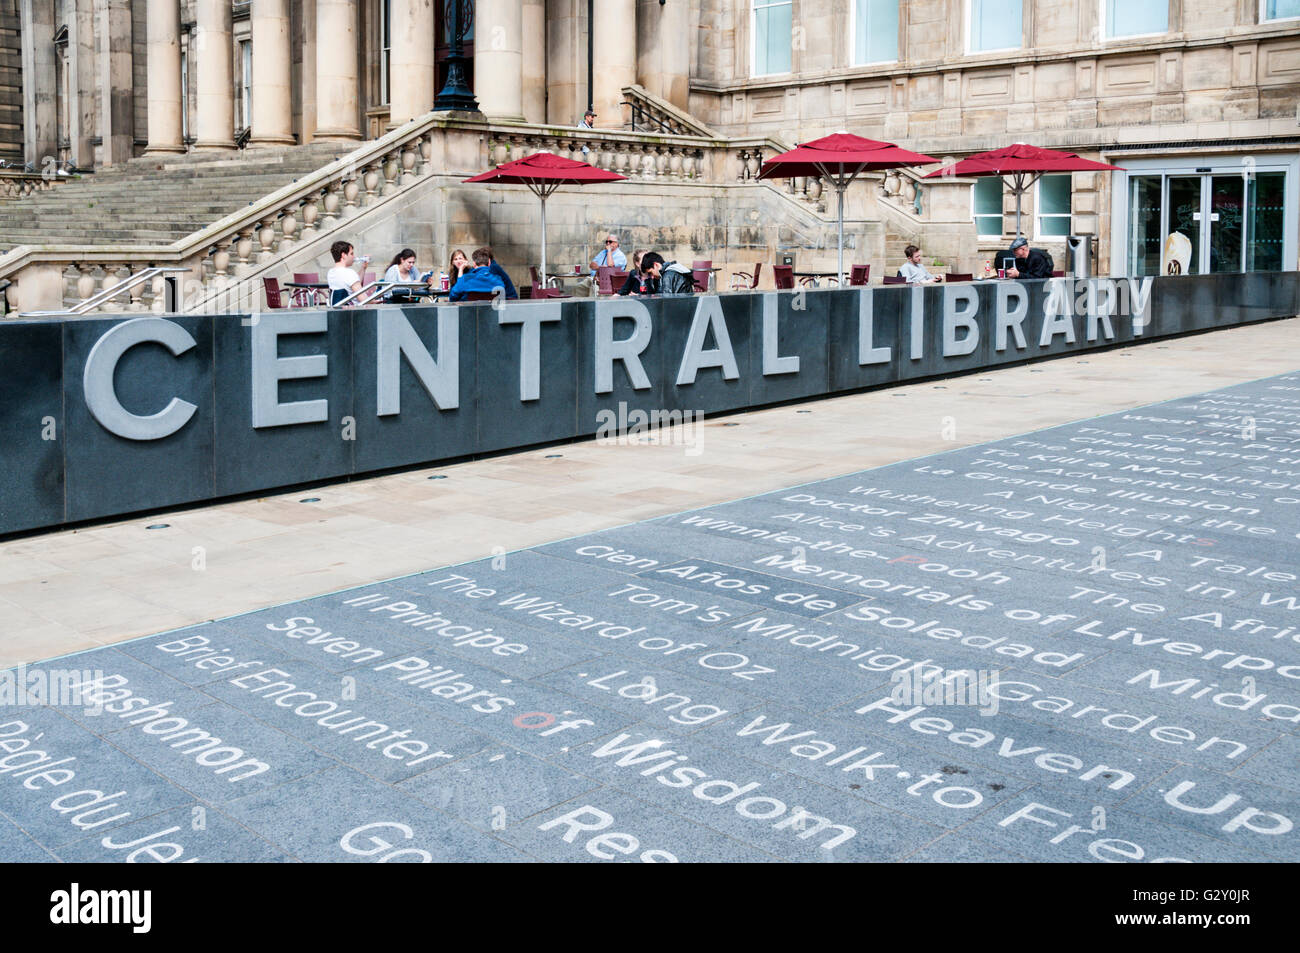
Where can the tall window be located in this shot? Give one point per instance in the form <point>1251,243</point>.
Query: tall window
<point>385,49</point>
<point>986,201</point>
<point>773,25</point>
<point>875,31</point>
<point>1135,17</point>
<point>245,85</point>
<point>1053,206</point>
<point>994,25</point>
<point>1279,9</point>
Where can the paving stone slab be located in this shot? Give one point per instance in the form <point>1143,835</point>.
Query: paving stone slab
<point>197,833</point>
<point>1072,645</point>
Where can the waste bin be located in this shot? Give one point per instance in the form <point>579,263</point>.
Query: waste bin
<point>1079,250</point>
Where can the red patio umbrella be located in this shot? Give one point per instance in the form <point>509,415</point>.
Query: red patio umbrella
<point>839,159</point>
<point>1024,164</point>
<point>544,172</point>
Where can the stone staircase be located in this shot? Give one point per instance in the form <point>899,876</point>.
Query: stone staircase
<point>156,200</point>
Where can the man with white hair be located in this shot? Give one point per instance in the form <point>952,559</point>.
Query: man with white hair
<point>610,255</point>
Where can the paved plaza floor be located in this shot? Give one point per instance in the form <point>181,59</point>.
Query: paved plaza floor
<point>1072,643</point>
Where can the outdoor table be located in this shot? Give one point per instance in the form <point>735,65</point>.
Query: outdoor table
<point>415,289</point>
<point>562,275</point>
<point>713,283</point>
<point>319,289</point>
<point>817,275</point>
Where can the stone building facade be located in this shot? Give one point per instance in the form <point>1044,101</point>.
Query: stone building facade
<point>1199,100</point>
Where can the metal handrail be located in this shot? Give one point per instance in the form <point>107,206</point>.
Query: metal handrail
<point>108,294</point>
<point>638,111</point>
<point>382,286</point>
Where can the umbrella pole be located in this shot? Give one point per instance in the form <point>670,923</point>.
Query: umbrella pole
<point>1020,191</point>
<point>839,281</point>
<point>543,198</point>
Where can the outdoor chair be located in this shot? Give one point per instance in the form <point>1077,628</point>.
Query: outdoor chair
<point>539,287</point>
<point>273,300</point>
<point>958,276</point>
<point>859,274</point>
<point>1058,274</point>
<point>539,290</point>
<point>307,297</point>
<point>701,274</point>
<point>744,277</point>
<point>479,295</point>
<point>605,278</point>
<point>617,278</point>
<point>893,280</point>
<point>784,276</point>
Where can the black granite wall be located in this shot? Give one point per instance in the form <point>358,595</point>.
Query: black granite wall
<point>59,465</point>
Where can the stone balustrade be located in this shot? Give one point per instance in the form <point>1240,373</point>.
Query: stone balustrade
<point>649,113</point>
<point>905,192</point>
<point>14,183</point>
<point>228,256</point>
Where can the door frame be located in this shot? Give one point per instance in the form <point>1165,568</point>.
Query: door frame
<point>1204,165</point>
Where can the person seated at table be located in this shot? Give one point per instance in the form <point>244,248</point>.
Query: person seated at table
<point>1021,261</point>
<point>480,278</point>
<point>611,254</point>
<point>635,283</point>
<point>342,279</point>
<point>460,264</point>
<point>913,270</point>
<point>666,277</point>
<point>402,268</point>
<point>511,292</point>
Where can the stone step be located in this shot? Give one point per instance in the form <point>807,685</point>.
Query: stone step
<point>157,199</point>
<point>177,211</point>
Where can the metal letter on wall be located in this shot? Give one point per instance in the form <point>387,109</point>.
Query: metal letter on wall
<point>627,350</point>
<point>1058,313</point>
<point>1010,319</point>
<point>916,323</point>
<point>1100,314</point>
<point>441,378</point>
<point>868,353</point>
<point>773,363</point>
<point>530,314</point>
<point>269,369</point>
<point>101,363</point>
<point>708,314</point>
<point>955,318</point>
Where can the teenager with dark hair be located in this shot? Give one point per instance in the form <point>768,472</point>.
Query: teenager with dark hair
<point>402,268</point>
<point>667,277</point>
<point>342,279</point>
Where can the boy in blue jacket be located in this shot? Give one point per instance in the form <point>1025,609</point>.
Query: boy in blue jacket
<point>486,276</point>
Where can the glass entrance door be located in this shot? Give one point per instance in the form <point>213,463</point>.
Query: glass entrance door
<point>1206,222</point>
<point>1265,221</point>
<point>1227,221</point>
<point>1182,249</point>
